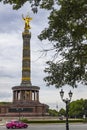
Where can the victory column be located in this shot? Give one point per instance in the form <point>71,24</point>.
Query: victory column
<point>25,96</point>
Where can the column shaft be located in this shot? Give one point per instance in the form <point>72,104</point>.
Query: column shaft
<point>26,61</point>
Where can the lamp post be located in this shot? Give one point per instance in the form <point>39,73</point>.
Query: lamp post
<point>66,101</point>
<point>19,111</point>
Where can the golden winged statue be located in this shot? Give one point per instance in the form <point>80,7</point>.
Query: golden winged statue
<point>27,20</point>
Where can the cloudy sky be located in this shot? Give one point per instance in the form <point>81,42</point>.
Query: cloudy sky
<point>11,28</point>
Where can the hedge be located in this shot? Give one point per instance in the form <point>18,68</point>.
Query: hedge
<point>53,121</point>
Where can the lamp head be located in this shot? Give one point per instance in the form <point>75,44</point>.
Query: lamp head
<point>62,93</point>
<point>70,94</point>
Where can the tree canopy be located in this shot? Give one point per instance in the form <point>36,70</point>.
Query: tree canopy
<point>78,108</point>
<point>17,4</point>
<point>67,33</point>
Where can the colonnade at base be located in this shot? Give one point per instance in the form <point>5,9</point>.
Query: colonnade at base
<point>25,94</point>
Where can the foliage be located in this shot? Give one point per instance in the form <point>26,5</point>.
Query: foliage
<point>17,4</point>
<point>52,121</point>
<point>25,120</point>
<point>67,33</point>
<point>78,108</point>
<point>62,112</point>
<point>3,103</point>
<point>52,112</point>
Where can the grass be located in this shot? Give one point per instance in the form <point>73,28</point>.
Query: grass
<point>54,121</point>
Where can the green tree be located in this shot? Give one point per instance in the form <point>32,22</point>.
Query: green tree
<point>85,108</point>
<point>52,112</point>
<point>17,4</point>
<point>76,109</point>
<point>67,33</point>
<point>62,112</point>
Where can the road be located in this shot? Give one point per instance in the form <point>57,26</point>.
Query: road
<point>52,127</point>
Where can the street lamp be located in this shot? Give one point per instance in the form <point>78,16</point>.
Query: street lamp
<point>66,101</point>
<point>19,111</point>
